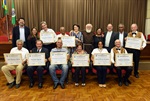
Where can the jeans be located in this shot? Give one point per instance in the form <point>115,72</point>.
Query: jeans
<point>52,70</point>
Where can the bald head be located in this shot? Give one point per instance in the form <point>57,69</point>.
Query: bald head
<point>134,27</point>
<point>109,27</point>
<point>117,43</point>
<point>62,30</point>
<point>121,27</point>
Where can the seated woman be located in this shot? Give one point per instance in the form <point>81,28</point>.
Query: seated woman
<point>79,50</point>
<point>101,70</point>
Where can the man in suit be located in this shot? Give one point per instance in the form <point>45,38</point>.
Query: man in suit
<point>39,69</point>
<point>109,37</point>
<point>20,32</point>
<point>121,35</point>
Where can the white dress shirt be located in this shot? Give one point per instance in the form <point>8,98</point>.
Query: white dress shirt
<point>22,33</point>
<point>23,52</point>
<point>61,35</point>
<point>107,39</point>
<point>121,38</point>
<point>97,50</point>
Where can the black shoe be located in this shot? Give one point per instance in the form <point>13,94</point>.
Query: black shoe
<point>40,85</point>
<point>17,86</point>
<point>55,86</point>
<point>120,83</point>
<point>31,85</point>
<point>136,75</point>
<point>11,85</point>
<point>126,83</point>
<point>129,81</point>
<point>62,86</point>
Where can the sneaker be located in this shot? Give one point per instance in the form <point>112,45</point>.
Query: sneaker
<point>76,84</point>
<point>100,85</point>
<point>83,84</point>
<point>104,85</point>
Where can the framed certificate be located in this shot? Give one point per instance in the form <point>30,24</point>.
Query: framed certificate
<point>81,60</point>
<point>36,59</point>
<point>102,59</point>
<point>47,37</point>
<point>124,59</point>
<point>68,41</point>
<point>13,59</point>
<point>58,58</point>
<point>133,43</point>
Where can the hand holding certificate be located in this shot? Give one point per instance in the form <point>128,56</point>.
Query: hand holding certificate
<point>102,59</point>
<point>68,41</point>
<point>124,60</point>
<point>36,59</point>
<point>80,60</point>
<point>133,43</point>
<point>13,59</point>
<point>58,58</point>
<point>47,37</point>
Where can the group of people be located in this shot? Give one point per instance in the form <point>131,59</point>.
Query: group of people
<point>87,42</point>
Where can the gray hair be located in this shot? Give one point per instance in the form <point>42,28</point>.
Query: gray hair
<point>19,40</point>
<point>43,22</point>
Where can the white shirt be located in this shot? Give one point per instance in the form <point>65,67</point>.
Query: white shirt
<point>52,31</point>
<point>107,39</point>
<point>121,35</point>
<point>23,52</point>
<point>97,50</point>
<point>22,33</point>
<point>112,54</point>
<point>143,39</point>
<point>61,35</point>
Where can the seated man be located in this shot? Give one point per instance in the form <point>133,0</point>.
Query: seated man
<point>119,49</point>
<point>30,70</point>
<point>63,67</point>
<point>7,68</point>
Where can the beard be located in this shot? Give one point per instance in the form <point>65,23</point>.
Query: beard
<point>88,31</point>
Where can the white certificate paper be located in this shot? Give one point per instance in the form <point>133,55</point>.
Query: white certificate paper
<point>81,60</point>
<point>102,59</point>
<point>124,59</point>
<point>68,41</point>
<point>13,59</point>
<point>36,59</point>
<point>133,43</point>
<point>47,37</point>
<point>58,58</point>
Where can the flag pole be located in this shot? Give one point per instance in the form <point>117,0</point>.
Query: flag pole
<point>7,26</point>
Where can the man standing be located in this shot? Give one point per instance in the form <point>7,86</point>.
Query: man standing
<point>30,70</point>
<point>20,32</point>
<point>62,32</point>
<point>7,68</point>
<point>136,53</point>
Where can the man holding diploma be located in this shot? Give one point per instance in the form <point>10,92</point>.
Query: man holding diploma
<point>63,67</point>
<point>7,68</point>
<point>121,50</point>
<point>30,70</point>
<point>136,53</point>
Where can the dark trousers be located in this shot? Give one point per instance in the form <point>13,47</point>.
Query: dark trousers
<point>136,58</point>
<point>30,72</point>
<point>127,75</point>
<point>77,74</point>
<point>50,46</point>
<point>101,74</point>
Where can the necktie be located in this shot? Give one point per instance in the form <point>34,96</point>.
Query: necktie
<point>133,33</point>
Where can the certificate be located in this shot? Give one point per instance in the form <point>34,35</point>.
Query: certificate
<point>58,58</point>
<point>13,59</point>
<point>133,43</point>
<point>124,59</point>
<point>80,60</point>
<point>102,59</point>
<point>68,41</point>
<point>47,37</point>
<point>36,59</point>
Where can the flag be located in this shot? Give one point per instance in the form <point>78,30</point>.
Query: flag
<point>5,7</point>
<point>13,20</point>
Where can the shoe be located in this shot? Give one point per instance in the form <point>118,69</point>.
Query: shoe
<point>55,86</point>
<point>126,83</point>
<point>104,85</point>
<point>40,85</point>
<point>11,85</point>
<point>120,83</point>
<point>83,84</point>
<point>62,86</point>
<point>17,86</point>
<point>136,75</point>
<point>100,85</point>
<point>31,85</point>
<point>76,84</point>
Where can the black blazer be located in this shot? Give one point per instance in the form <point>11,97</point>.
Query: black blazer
<point>111,43</point>
<point>16,35</point>
<point>124,35</point>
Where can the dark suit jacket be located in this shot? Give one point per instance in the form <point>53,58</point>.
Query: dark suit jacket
<point>124,35</point>
<point>44,50</point>
<point>111,43</point>
<point>16,35</point>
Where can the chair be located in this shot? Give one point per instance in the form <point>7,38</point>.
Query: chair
<point>95,71</point>
<point>3,39</point>
<point>149,37</point>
